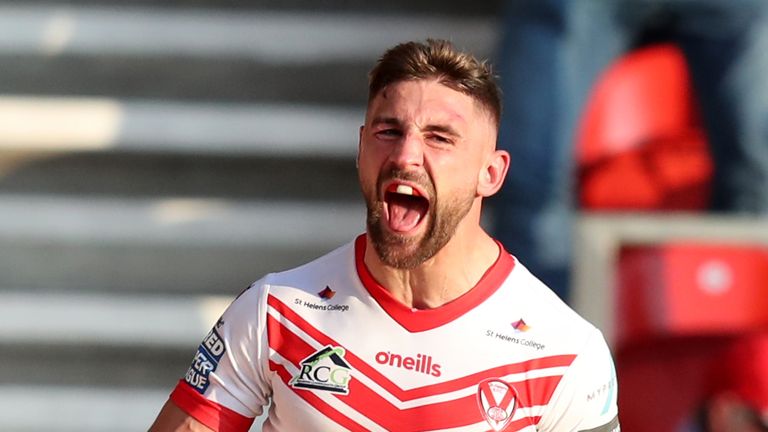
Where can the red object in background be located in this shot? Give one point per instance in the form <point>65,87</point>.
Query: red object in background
<point>678,307</point>
<point>685,289</point>
<point>743,371</point>
<point>662,382</point>
<point>641,144</point>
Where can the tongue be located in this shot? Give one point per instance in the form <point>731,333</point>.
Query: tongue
<point>403,215</point>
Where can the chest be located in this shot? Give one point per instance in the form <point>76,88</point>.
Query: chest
<point>344,364</point>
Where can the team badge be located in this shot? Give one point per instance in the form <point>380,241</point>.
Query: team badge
<point>325,370</point>
<point>497,401</point>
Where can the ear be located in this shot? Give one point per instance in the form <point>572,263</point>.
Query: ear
<point>494,172</point>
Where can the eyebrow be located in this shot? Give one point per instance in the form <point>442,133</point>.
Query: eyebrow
<point>446,129</point>
<point>392,121</point>
<point>385,120</point>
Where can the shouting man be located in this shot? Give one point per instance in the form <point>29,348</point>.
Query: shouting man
<point>423,323</point>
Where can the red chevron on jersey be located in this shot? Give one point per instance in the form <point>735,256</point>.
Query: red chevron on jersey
<point>289,345</point>
<point>317,402</point>
<point>397,416</point>
<point>412,422</point>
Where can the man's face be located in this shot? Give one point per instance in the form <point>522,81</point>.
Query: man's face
<point>422,149</point>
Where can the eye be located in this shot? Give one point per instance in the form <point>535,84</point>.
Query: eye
<point>441,139</point>
<point>388,133</point>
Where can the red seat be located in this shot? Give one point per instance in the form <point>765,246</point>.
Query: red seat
<point>641,144</point>
<point>678,306</point>
<point>690,289</point>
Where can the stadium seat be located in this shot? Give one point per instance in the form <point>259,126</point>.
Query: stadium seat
<point>688,289</point>
<point>679,305</point>
<point>640,144</point>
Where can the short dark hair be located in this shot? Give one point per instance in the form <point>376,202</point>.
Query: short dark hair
<point>440,60</point>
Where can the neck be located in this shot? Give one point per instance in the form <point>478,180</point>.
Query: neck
<point>453,271</point>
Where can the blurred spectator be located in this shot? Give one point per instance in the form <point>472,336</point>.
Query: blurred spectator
<point>552,53</point>
<point>738,398</point>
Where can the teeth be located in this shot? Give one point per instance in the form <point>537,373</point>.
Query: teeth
<point>404,189</point>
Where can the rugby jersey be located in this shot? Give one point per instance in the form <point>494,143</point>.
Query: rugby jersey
<point>327,348</point>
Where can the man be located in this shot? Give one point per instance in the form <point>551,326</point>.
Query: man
<point>424,322</point>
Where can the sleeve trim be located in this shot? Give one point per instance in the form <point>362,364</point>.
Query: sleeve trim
<point>211,414</point>
<point>611,426</point>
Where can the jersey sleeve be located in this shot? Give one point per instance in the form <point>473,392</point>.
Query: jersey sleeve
<point>226,386</point>
<point>586,398</point>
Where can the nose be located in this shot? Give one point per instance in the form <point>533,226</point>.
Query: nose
<point>408,151</point>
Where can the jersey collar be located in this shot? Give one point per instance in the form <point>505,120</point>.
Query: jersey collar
<point>418,320</point>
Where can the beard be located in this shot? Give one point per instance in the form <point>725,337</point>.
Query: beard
<point>407,252</point>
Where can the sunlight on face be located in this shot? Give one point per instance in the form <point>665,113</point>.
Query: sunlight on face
<point>429,137</point>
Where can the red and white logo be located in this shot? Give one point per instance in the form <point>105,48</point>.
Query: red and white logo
<point>497,401</point>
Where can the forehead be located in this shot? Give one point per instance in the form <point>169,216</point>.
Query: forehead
<point>425,100</point>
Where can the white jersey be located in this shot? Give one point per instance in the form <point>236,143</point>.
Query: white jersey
<point>332,350</point>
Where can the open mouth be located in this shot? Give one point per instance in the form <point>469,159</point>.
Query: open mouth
<point>406,207</point>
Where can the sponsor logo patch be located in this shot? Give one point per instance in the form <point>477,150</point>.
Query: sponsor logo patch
<point>324,305</point>
<point>515,339</point>
<point>497,401</point>
<point>520,326</point>
<point>327,293</point>
<point>206,360</point>
<point>604,393</point>
<point>324,370</point>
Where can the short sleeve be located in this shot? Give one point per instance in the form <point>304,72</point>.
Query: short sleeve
<point>586,398</point>
<point>226,387</point>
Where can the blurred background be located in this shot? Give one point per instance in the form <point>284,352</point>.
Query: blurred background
<point>157,156</point>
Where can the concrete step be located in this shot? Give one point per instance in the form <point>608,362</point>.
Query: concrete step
<point>152,175</point>
<point>209,54</point>
<point>269,37</point>
<point>101,339</point>
<point>156,148</point>
<point>81,409</point>
<point>162,245</point>
<point>334,82</point>
<point>107,320</point>
<point>78,409</point>
<point>431,7</point>
<point>60,125</point>
<point>95,362</point>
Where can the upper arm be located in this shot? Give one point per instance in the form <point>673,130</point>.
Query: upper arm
<point>225,387</point>
<point>174,419</point>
